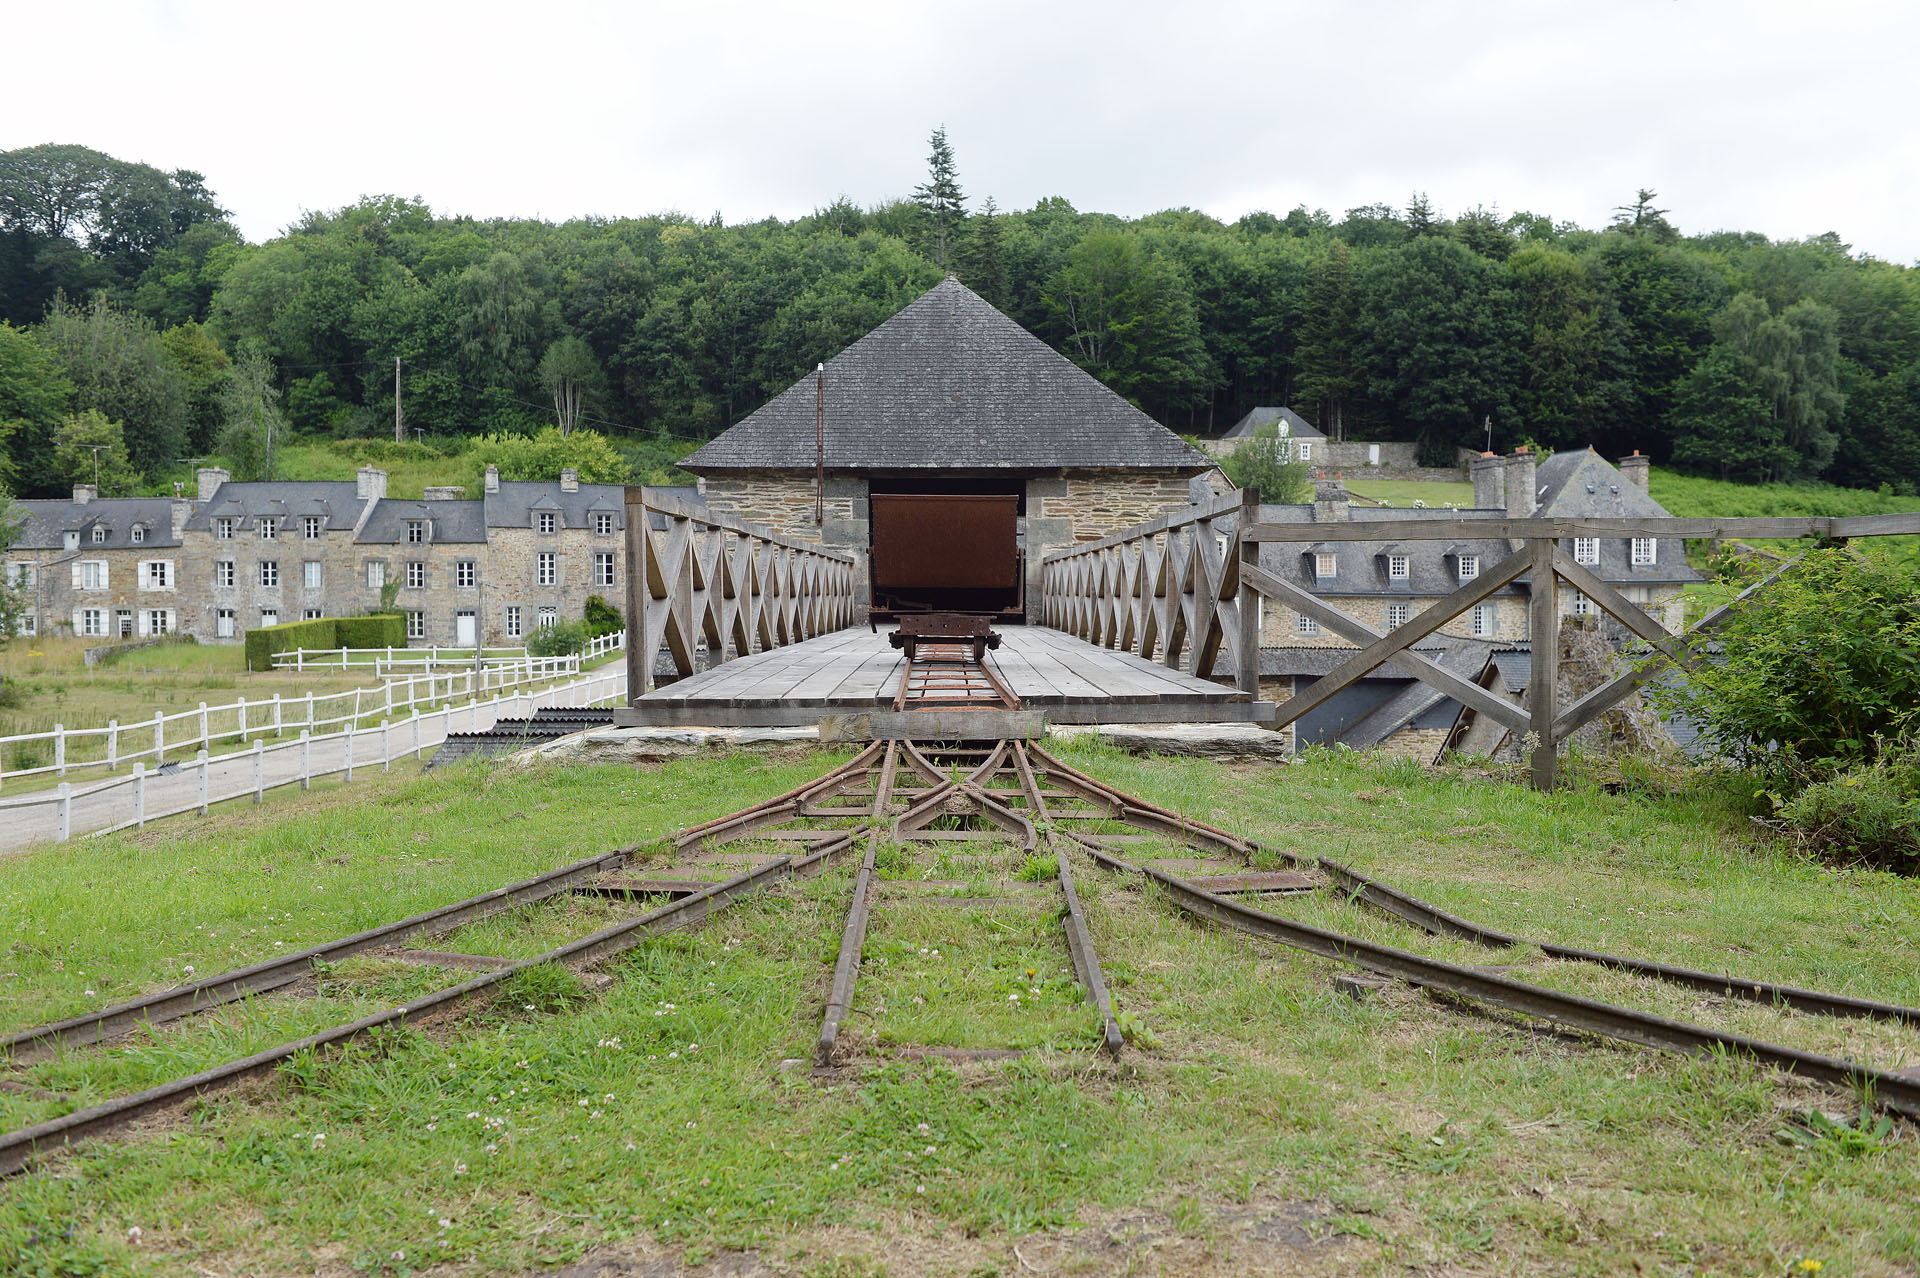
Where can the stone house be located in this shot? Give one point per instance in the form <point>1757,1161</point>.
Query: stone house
<point>550,546</point>
<point>950,449</point>
<point>102,568</point>
<point>432,552</point>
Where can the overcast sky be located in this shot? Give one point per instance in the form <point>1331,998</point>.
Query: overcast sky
<point>1787,118</point>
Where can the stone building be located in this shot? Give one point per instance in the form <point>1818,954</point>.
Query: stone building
<point>105,568</point>
<point>550,546</point>
<point>951,449</point>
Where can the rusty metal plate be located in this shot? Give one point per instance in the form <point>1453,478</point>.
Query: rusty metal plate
<point>945,541</point>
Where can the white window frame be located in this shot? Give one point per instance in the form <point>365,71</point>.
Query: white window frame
<point>223,529</point>
<point>1586,551</point>
<point>269,530</point>
<point>1399,568</point>
<point>224,572</point>
<point>156,621</point>
<point>1469,567</point>
<point>269,617</point>
<point>548,568</point>
<point>1306,449</point>
<point>465,572</point>
<point>91,574</point>
<point>1581,606</point>
<point>546,520</point>
<point>1398,615</point>
<point>416,574</point>
<point>416,624</point>
<point>224,623</point>
<point>156,574</point>
<point>22,574</point>
<point>416,532</point>
<point>603,524</point>
<point>93,622</point>
<point>311,526</point>
<point>1325,565</point>
<point>99,534</point>
<point>603,568</point>
<point>1646,552</point>
<point>270,573</point>
<point>1483,621</point>
<point>546,618</point>
<point>513,621</point>
<point>1305,625</point>
<point>137,534</point>
<point>312,614</point>
<point>29,623</point>
<point>376,574</point>
<point>313,574</point>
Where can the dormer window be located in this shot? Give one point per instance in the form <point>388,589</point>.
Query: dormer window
<point>1399,568</point>
<point>1325,565</point>
<point>416,531</point>
<point>139,533</point>
<point>1644,552</point>
<point>99,534</point>
<point>1469,567</point>
<point>603,525</point>
<point>1586,550</point>
<point>548,521</point>
<point>311,526</point>
<point>268,530</point>
<point>223,529</point>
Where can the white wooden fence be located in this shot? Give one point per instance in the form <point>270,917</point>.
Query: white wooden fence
<point>131,801</point>
<point>120,745</point>
<point>382,660</point>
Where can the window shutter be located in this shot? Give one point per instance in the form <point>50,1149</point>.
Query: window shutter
<point>103,574</point>
<point>76,579</point>
<point>146,575</point>
<point>76,614</point>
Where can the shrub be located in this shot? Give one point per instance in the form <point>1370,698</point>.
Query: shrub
<point>1870,813</point>
<point>602,618</point>
<point>1266,462</point>
<point>264,641</point>
<point>375,630</point>
<point>1817,673</point>
<point>561,639</point>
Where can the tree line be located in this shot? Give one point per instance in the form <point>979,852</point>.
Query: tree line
<point>141,330</point>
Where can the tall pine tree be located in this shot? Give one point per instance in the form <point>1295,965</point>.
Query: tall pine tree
<point>942,205</point>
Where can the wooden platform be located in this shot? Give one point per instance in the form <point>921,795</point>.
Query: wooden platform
<point>856,670</point>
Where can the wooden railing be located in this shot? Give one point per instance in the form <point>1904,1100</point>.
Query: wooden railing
<point>1188,580</point>
<point>1173,590</point>
<point>710,588</point>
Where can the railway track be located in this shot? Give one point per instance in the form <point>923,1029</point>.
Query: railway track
<point>907,794</point>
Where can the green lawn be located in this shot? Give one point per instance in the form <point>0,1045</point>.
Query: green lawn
<point>653,1117</point>
<point>1406,492</point>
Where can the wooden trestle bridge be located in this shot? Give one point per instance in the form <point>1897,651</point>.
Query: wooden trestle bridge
<point>1158,623</point>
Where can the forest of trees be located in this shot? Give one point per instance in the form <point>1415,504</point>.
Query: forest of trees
<point>141,330</point>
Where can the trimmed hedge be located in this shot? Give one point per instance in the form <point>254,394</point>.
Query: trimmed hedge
<point>382,630</point>
<point>264,641</point>
<point>375,630</point>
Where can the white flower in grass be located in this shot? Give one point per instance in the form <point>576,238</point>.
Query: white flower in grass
<point>459,1169</point>
<point>188,969</point>
<point>399,1255</point>
<point>923,1128</point>
<point>493,1149</point>
<point>134,1235</point>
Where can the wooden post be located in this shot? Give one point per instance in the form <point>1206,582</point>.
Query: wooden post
<point>64,820</point>
<point>159,738</point>
<point>1544,628</point>
<point>259,771</point>
<point>60,749</point>
<point>309,712</point>
<point>386,754</point>
<point>1249,599</point>
<point>306,758</point>
<point>351,732</point>
<point>201,759</point>
<point>113,742</point>
<point>276,715</point>
<point>204,737</point>
<point>243,720</point>
<point>638,549</point>
<point>139,796</point>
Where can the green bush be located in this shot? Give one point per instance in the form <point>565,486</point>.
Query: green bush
<point>375,630</point>
<point>1817,673</point>
<point>1870,813</point>
<point>602,618</point>
<point>1266,462</point>
<point>562,639</point>
<point>264,641</point>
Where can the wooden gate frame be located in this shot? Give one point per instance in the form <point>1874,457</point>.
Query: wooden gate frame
<point>735,587</point>
<point>1541,725</point>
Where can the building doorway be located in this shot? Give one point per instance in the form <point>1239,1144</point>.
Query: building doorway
<point>465,628</point>
<point>947,546</point>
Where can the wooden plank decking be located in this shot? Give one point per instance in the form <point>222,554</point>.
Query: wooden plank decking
<point>855,670</point>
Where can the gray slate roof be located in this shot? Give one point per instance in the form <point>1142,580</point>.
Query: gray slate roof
<point>1298,427</point>
<point>46,523</point>
<point>1586,485</point>
<point>338,500</point>
<point>1361,566</point>
<point>450,521</point>
<point>514,504</point>
<point>950,383</point>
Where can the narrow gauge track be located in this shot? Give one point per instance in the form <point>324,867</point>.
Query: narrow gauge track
<point>1895,1091</point>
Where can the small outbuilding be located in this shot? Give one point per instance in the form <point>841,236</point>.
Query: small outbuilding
<point>953,449</point>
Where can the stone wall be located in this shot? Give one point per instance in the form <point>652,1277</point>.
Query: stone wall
<point>1101,503</point>
<point>1357,459</point>
<point>1277,622</point>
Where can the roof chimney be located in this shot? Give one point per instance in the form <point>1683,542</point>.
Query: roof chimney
<point>84,493</point>
<point>493,479</point>
<point>1330,502</point>
<point>1489,482</point>
<point>210,478</point>
<point>1521,498</point>
<point>1638,469</point>
<point>372,484</point>
<point>444,492</point>
<point>569,480</point>
<point>181,511</point>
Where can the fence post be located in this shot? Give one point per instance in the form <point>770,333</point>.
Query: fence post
<point>276,715</point>
<point>242,706</point>
<point>259,771</point>
<point>60,749</point>
<point>202,761</point>
<point>389,687</point>
<point>205,739</point>
<point>386,755</point>
<point>356,708</point>
<point>350,735</point>
<point>309,712</point>
<point>159,738</point>
<point>300,660</point>
<point>306,759</point>
<point>113,742</point>
<point>65,820</point>
<point>473,715</point>
<point>139,796</point>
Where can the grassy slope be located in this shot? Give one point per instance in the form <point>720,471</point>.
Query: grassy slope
<point>1421,1134</point>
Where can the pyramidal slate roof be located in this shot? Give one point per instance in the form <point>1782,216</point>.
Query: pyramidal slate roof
<point>950,383</point>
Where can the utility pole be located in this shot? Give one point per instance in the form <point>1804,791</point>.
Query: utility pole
<point>399,419</point>
<point>96,464</point>
<point>820,445</point>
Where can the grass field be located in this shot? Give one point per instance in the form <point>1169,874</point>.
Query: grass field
<point>1406,493</point>
<point>1272,1124</point>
